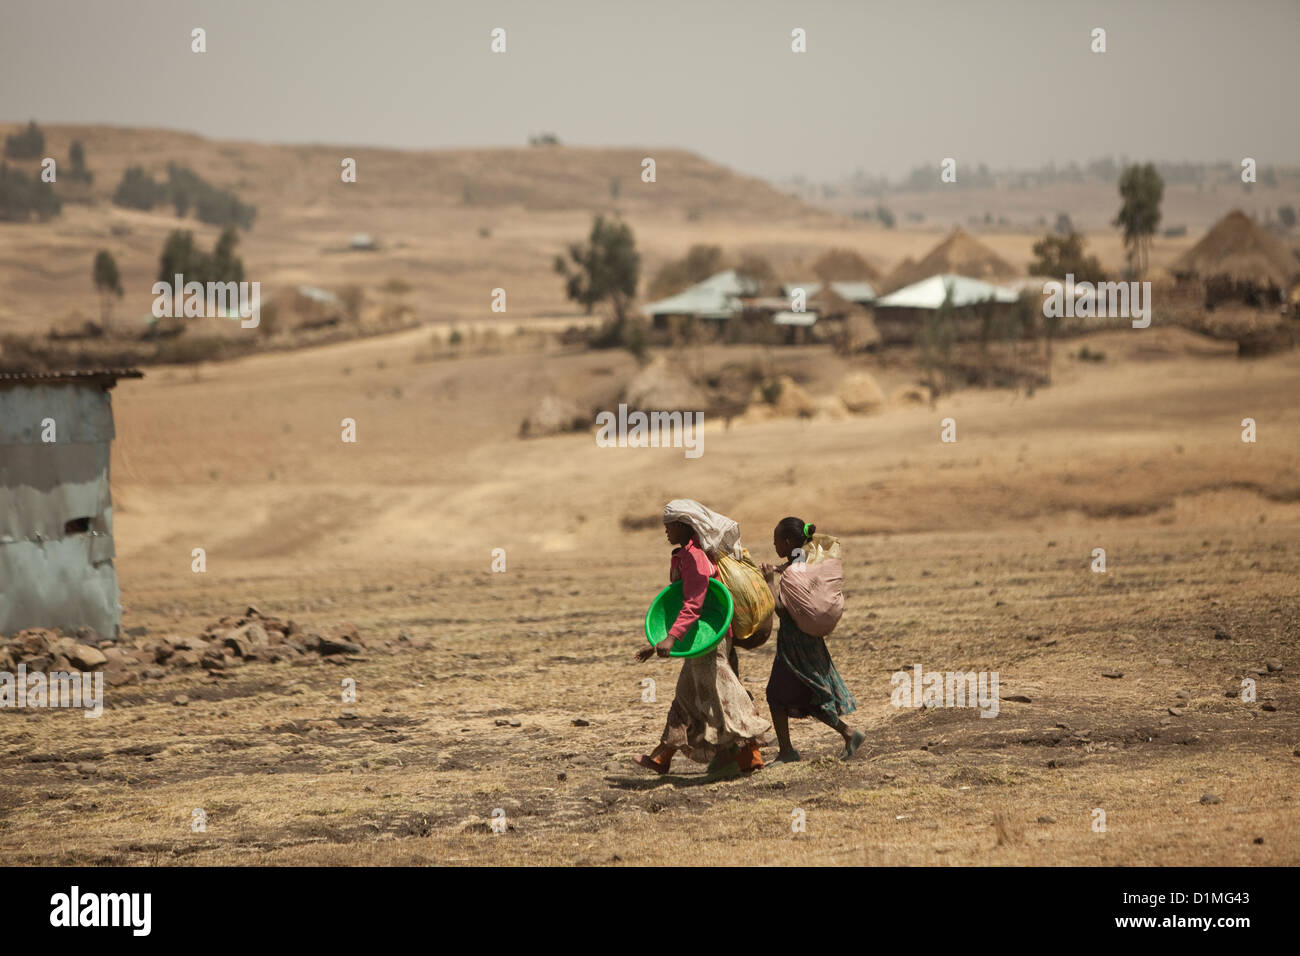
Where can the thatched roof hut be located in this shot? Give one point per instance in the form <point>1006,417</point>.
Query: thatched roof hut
<point>1238,260</point>
<point>844,265</point>
<point>959,254</point>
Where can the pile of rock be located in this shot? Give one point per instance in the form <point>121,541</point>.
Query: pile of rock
<point>222,646</point>
<point>43,650</point>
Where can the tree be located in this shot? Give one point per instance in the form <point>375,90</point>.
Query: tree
<point>138,190</point>
<point>1286,214</point>
<point>703,261</point>
<point>937,335</point>
<point>1051,326</point>
<point>215,206</point>
<point>77,170</point>
<point>885,216</point>
<point>181,256</point>
<point>108,283</point>
<point>218,207</point>
<point>22,196</point>
<point>226,266</point>
<point>1063,224</point>
<point>29,144</point>
<point>604,269</point>
<point>185,190</point>
<point>1141,189</point>
<point>757,269</point>
<point>1059,256</point>
<point>700,262</point>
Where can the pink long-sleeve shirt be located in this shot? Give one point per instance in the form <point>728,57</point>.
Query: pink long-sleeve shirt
<point>694,568</point>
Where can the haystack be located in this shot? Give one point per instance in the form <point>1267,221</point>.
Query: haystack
<point>779,397</point>
<point>959,254</point>
<point>861,393</point>
<point>554,415</point>
<point>661,387</point>
<point>912,395</point>
<point>860,332</point>
<point>1238,251</point>
<point>829,408</point>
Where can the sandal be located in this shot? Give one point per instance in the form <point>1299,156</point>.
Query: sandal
<point>649,763</point>
<point>750,758</point>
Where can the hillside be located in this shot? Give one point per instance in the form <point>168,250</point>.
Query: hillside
<point>532,179</point>
<point>453,224</point>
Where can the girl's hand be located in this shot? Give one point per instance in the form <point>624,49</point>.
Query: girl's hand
<point>664,646</point>
<point>768,572</point>
<point>644,654</point>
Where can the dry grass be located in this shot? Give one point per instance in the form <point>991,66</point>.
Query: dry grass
<point>286,777</point>
<point>965,556</point>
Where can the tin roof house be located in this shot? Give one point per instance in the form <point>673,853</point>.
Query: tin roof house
<point>56,512</point>
<point>857,292</point>
<point>900,315</point>
<point>717,298</point>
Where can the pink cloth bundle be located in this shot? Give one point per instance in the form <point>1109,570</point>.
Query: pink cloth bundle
<point>813,594</point>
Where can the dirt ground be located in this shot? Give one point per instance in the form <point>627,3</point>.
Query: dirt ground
<point>973,555</point>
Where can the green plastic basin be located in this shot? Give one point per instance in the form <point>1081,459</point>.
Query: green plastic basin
<point>702,636</point>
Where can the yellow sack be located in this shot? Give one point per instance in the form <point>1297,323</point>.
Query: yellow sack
<point>821,546</point>
<point>749,592</point>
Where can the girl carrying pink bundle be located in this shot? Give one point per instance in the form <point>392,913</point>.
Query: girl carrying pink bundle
<point>804,681</point>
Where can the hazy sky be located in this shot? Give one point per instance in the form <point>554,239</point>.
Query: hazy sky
<point>883,86</point>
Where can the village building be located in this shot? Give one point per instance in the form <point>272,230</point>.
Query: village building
<point>958,254</point>
<point>704,309</point>
<point>728,305</point>
<point>902,314</point>
<point>1237,261</point>
<point>795,325</point>
<point>56,511</point>
<point>717,298</point>
<point>858,292</point>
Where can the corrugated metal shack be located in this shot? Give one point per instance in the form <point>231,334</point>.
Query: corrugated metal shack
<point>56,512</point>
<point>901,315</point>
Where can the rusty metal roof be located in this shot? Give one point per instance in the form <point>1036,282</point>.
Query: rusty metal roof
<point>106,377</point>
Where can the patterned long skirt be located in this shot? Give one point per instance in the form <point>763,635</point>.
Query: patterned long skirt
<point>712,712</point>
<point>804,681</point>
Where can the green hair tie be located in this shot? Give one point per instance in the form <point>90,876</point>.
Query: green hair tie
<point>805,529</point>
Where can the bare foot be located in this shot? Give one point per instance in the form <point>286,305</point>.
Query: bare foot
<point>852,744</point>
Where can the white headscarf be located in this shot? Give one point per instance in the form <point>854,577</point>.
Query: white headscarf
<point>718,534</point>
